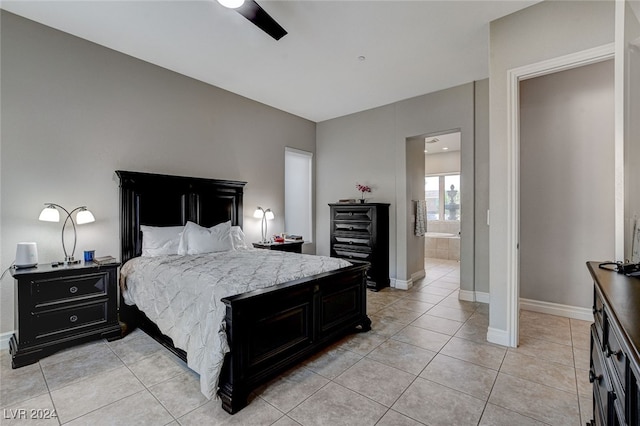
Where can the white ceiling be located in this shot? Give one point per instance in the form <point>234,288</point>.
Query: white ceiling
<point>411,47</point>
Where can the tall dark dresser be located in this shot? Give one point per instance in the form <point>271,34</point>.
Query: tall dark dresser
<point>360,234</point>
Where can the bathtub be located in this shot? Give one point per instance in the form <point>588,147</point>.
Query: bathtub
<point>442,245</point>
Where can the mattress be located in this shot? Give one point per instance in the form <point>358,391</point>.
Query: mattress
<point>182,296</point>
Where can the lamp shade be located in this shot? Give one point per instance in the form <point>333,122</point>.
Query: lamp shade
<point>84,216</point>
<point>231,4</point>
<point>50,214</point>
<point>259,213</point>
<point>269,214</point>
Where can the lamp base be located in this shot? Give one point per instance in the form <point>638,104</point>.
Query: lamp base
<point>68,260</point>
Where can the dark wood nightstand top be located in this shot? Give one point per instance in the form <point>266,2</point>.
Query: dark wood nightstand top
<point>48,267</point>
<point>292,246</point>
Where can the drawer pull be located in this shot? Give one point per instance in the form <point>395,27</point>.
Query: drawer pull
<point>609,352</point>
<point>350,213</point>
<point>350,242</point>
<point>73,290</point>
<point>73,318</point>
<point>593,377</point>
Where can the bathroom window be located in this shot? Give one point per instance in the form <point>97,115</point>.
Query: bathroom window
<point>442,193</point>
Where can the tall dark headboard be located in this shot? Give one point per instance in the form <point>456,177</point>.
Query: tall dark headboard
<point>164,200</point>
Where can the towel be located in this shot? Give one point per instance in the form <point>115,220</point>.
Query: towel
<point>421,218</point>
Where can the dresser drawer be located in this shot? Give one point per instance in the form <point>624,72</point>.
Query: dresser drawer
<point>65,289</point>
<point>352,254</point>
<point>56,321</point>
<point>351,228</point>
<point>598,313</point>
<point>345,242</point>
<point>618,360</point>
<point>603,394</point>
<point>356,213</point>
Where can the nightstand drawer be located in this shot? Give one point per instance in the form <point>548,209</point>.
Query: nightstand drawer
<point>64,289</point>
<point>56,321</point>
<point>353,213</point>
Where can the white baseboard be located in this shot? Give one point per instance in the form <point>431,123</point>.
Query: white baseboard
<point>497,336</point>
<point>4,339</point>
<point>402,284</point>
<point>473,296</point>
<point>557,309</point>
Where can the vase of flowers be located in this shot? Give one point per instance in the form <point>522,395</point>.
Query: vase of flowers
<point>362,189</point>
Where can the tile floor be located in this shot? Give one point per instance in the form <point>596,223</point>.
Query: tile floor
<point>426,361</point>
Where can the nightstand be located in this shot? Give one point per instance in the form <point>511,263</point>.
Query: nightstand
<point>58,307</point>
<point>292,246</point>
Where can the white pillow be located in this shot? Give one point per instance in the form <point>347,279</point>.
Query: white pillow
<point>237,238</point>
<point>160,240</point>
<point>197,239</point>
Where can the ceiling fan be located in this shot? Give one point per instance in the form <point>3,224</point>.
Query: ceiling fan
<point>254,13</point>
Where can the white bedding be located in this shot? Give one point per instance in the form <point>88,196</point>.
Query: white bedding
<point>182,294</point>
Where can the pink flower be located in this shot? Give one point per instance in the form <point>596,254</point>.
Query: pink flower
<point>363,188</point>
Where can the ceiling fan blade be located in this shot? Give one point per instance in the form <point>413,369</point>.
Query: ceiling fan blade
<point>253,12</point>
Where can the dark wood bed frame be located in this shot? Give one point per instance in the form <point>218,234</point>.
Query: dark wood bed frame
<point>268,330</point>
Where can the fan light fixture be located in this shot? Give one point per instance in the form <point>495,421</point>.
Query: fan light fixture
<point>265,215</point>
<point>231,4</point>
<point>51,214</point>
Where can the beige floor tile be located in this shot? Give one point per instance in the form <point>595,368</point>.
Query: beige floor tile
<point>450,313</point>
<point>377,381</point>
<point>399,313</point>
<point>337,405</point>
<point>453,302</point>
<point>332,362</point>
<point>436,290</point>
<point>463,376</point>
<point>544,349</point>
<point>425,297</point>
<point>257,413</point>
<point>413,305</point>
<point>404,356</point>
<point>446,283</point>
<point>498,416</point>
<point>489,356</point>
<point>422,338</point>
<point>89,348</point>
<point>434,404</point>
<point>82,397</point>
<point>545,372</point>
<point>385,326</point>
<point>180,394</point>
<point>540,402</point>
<point>581,358</point>
<point>586,409</point>
<point>584,386</point>
<point>474,332</point>
<point>36,411</point>
<point>441,325</point>
<point>139,409</point>
<point>393,418</point>
<point>21,384</point>
<point>362,343</point>
<point>286,421</point>
<point>158,367</point>
<point>134,347</point>
<point>86,364</point>
<point>292,388</point>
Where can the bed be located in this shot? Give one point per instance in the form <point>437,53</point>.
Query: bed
<point>268,330</point>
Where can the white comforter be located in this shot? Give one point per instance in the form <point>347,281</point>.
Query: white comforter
<point>182,294</point>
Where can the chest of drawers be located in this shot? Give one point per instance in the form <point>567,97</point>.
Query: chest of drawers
<point>615,339</point>
<point>57,307</point>
<point>360,234</point>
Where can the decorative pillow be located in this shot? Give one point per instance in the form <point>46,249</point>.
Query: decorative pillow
<point>237,238</point>
<point>160,240</point>
<point>197,239</point>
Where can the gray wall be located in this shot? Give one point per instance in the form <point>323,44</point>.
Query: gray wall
<point>543,31</point>
<point>73,112</point>
<point>631,69</point>
<point>566,176</point>
<point>446,162</point>
<point>481,166</point>
<point>415,191</point>
<point>371,147</point>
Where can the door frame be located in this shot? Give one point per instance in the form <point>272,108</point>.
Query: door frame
<point>514,77</point>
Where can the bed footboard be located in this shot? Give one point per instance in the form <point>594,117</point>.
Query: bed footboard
<point>271,330</point>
